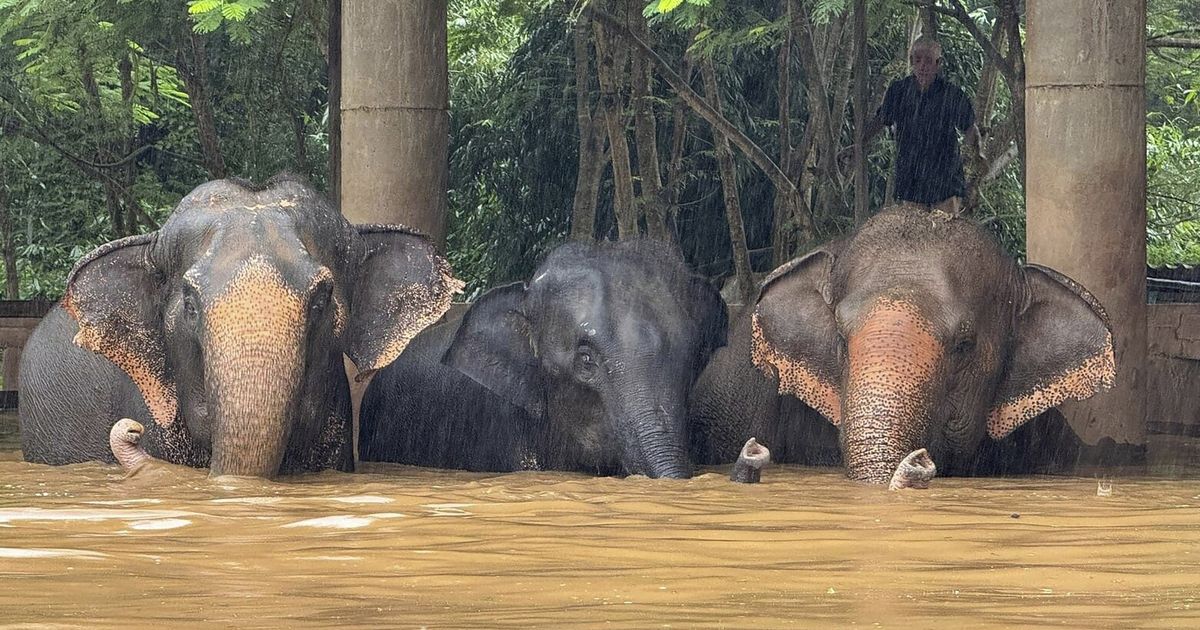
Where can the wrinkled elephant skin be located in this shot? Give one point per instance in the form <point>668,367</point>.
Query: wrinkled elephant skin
<point>224,332</point>
<point>586,367</point>
<point>917,331</point>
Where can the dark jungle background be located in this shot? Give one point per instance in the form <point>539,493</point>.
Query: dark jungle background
<point>110,111</point>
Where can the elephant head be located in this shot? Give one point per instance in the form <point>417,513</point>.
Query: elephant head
<point>601,348</point>
<point>232,319</point>
<point>919,331</point>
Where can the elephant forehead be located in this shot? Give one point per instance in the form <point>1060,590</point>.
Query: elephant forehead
<point>224,194</point>
<point>257,297</point>
<point>230,255</point>
<point>895,335</point>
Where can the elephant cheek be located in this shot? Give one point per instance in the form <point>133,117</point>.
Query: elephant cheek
<point>254,361</point>
<point>894,358</point>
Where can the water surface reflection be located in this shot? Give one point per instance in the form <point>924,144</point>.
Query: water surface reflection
<point>82,547</point>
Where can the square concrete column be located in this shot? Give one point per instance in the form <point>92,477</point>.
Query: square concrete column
<point>1086,181</point>
<point>395,121</point>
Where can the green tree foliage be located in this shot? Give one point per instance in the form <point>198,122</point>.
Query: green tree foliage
<point>98,137</point>
<point>99,134</point>
<point>1173,136</point>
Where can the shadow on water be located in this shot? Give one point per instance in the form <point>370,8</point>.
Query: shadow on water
<point>397,546</point>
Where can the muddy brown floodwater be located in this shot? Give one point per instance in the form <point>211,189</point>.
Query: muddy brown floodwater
<point>404,547</point>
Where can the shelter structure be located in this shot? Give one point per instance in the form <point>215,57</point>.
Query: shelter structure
<point>395,113</point>
<point>1086,181</point>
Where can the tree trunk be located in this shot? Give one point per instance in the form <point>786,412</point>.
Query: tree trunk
<point>12,283</point>
<point>112,197</point>
<point>193,68</point>
<point>861,67</point>
<point>333,65</point>
<point>679,130</point>
<point>591,142</point>
<point>697,103</point>
<point>840,82</point>
<point>821,116</point>
<point>128,171</point>
<point>12,279</point>
<point>733,208</point>
<point>984,105</point>
<point>929,22</point>
<point>646,133</point>
<point>783,209</point>
<point>985,91</point>
<point>1016,60</point>
<point>610,68</point>
<point>301,141</point>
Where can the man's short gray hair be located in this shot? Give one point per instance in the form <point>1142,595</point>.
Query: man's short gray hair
<point>926,42</point>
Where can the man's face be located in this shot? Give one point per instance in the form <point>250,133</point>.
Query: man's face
<point>925,65</point>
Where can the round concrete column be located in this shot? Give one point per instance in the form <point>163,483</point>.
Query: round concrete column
<point>1086,181</point>
<point>395,114</point>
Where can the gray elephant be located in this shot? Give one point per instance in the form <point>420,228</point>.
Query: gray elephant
<point>916,331</point>
<point>225,330</point>
<point>587,368</point>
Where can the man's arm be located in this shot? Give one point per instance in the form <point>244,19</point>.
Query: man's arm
<point>973,141</point>
<point>873,128</point>
<point>966,122</point>
<point>881,119</point>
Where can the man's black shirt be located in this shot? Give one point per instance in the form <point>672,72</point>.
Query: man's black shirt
<point>928,166</point>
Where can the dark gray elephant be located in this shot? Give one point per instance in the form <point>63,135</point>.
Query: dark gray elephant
<point>916,331</point>
<point>587,367</point>
<point>225,330</point>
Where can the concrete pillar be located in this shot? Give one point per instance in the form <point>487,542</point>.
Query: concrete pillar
<point>1086,181</point>
<point>395,121</point>
<point>395,113</point>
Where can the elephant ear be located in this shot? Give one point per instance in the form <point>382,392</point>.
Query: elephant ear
<point>401,286</point>
<point>494,347</point>
<point>114,295</point>
<point>1063,351</point>
<point>794,333</point>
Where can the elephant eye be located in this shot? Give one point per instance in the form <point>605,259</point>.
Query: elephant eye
<point>585,362</point>
<point>190,311</point>
<point>964,345</point>
<point>320,298</point>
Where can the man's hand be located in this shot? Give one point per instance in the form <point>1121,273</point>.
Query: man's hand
<point>974,141</point>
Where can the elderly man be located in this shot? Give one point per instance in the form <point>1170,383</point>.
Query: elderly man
<point>927,112</point>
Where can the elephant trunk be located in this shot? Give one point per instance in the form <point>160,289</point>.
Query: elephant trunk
<point>652,436</point>
<point>893,358</point>
<point>253,367</point>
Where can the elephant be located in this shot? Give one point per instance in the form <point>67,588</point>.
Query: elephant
<point>225,330</point>
<point>915,331</point>
<point>586,367</point>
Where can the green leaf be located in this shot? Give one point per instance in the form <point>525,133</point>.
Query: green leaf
<point>203,6</point>
<point>666,6</point>
<point>234,12</point>
<point>208,22</point>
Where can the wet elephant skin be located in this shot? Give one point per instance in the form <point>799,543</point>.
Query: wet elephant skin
<point>585,367</point>
<point>223,333</point>
<point>917,331</point>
